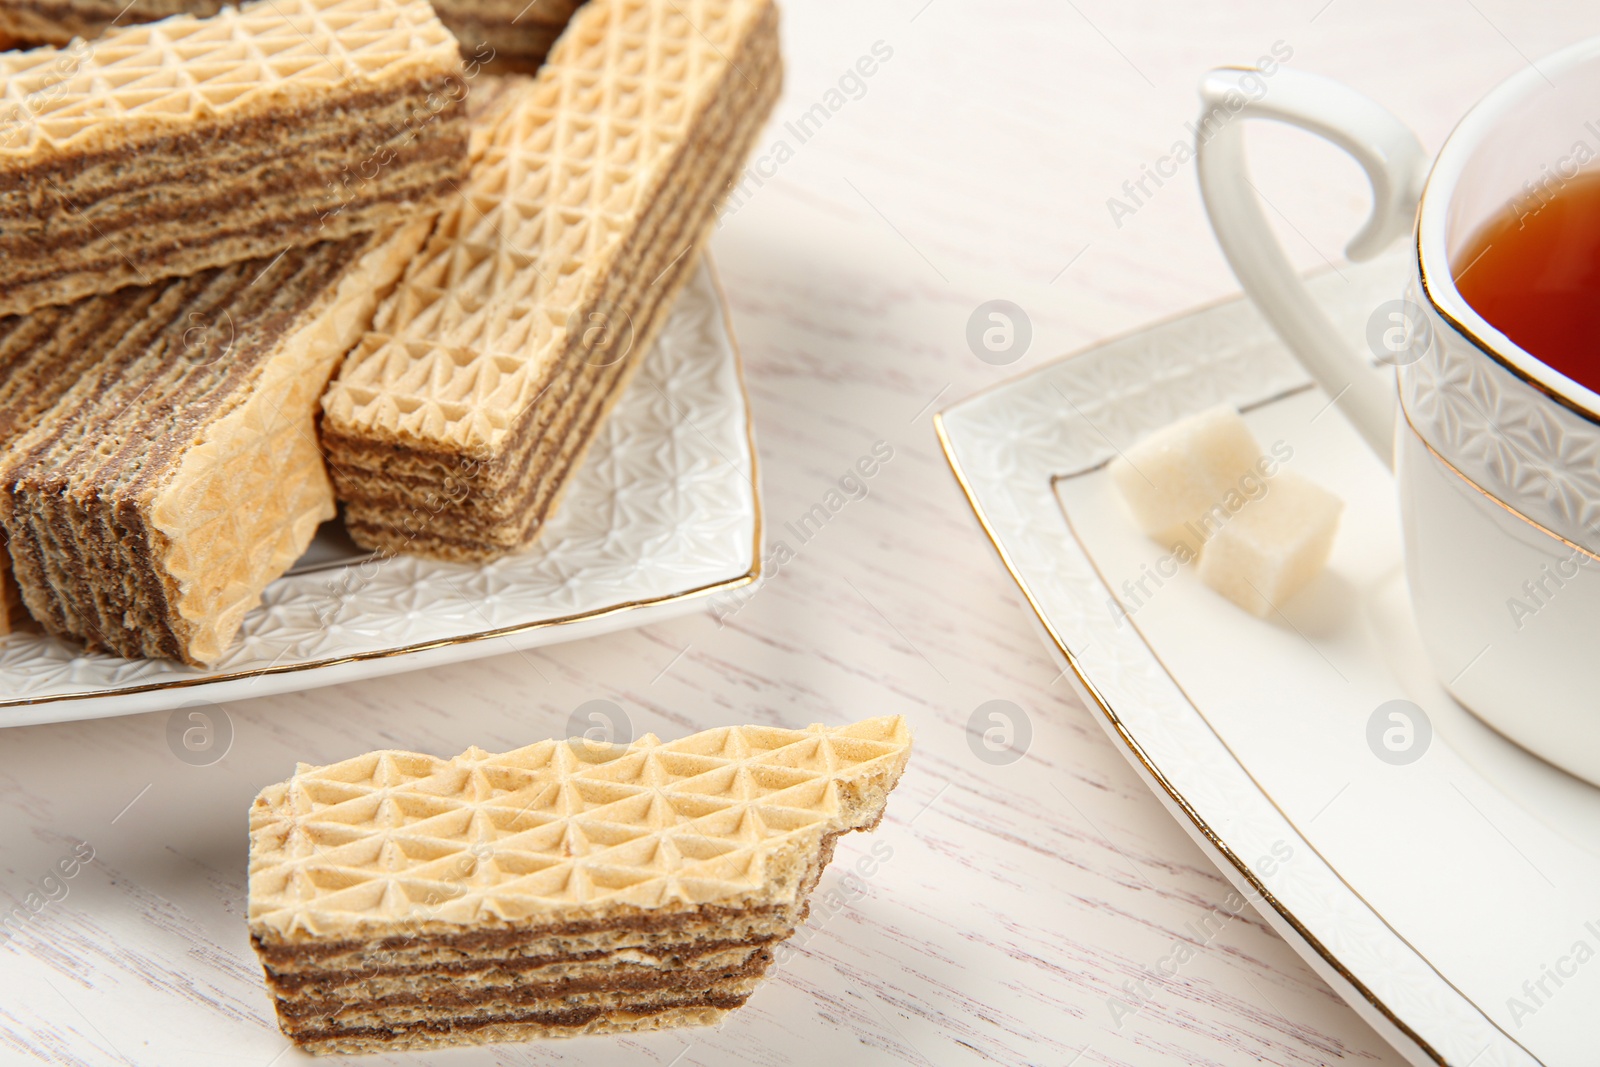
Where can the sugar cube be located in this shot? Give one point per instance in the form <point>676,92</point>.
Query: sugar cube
<point>1182,479</point>
<point>1274,545</point>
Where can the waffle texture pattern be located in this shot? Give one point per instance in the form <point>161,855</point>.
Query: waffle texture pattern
<point>488,369</point>
<point>559,831</point>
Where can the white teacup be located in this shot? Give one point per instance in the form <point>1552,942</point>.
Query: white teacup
<point>1497,455</point>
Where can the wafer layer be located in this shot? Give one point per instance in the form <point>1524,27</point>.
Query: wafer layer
<point>518,31</point>
<point>41,356</point>
<point>12,613</point>
<point>452,428</point>
<point>411,1022</point>
<point>167,148</point>
<point>149,507</point>
<point>393,496</point>
<point>57,22</point>
<point>402,901</point>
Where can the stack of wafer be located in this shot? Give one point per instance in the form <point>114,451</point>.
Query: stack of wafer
<point>164,149</point>
<point>402,901</point>
<point>520,31</point>
<point>159,462</point>
<point>452,428</point>
<point>160,552</point>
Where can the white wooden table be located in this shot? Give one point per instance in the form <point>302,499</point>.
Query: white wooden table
<point>975,163</point>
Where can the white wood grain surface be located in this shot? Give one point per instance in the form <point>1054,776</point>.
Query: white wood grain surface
<point>1017,900</point>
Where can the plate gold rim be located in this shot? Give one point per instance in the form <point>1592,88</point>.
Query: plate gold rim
<point>1155,773</point>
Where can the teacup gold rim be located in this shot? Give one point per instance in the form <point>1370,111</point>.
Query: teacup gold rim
<point>1429,241</point>
<point>1488,494</point>
<point>1488,348</point>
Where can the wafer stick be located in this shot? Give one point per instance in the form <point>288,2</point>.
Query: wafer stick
<point>454,424</point>
<point>164,149</point>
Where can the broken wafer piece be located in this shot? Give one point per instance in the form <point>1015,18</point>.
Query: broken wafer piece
<point>453,427</point>
<point>402,901</point>
<point>148,508</point>
<point>167,148</point>
<point>518,33</point>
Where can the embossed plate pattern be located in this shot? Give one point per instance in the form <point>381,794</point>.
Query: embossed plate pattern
<point>663,513</point>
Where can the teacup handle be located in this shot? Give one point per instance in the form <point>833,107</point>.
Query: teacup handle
<point>1396,166</point>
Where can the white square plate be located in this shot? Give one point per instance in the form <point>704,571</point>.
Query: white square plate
<point>663,513</point>
<point>1452,899</point>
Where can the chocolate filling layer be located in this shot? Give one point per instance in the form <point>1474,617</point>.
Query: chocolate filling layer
<point>298,197</point>
<point>176,149</point>
<point>284,229</point>
<point>474,942</point>
<point>97,16</point>
<point>527,37</point>
<point>291,983</point>
<point>680,981</point>
<point>209,191</point>
<point>572,1019</point>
